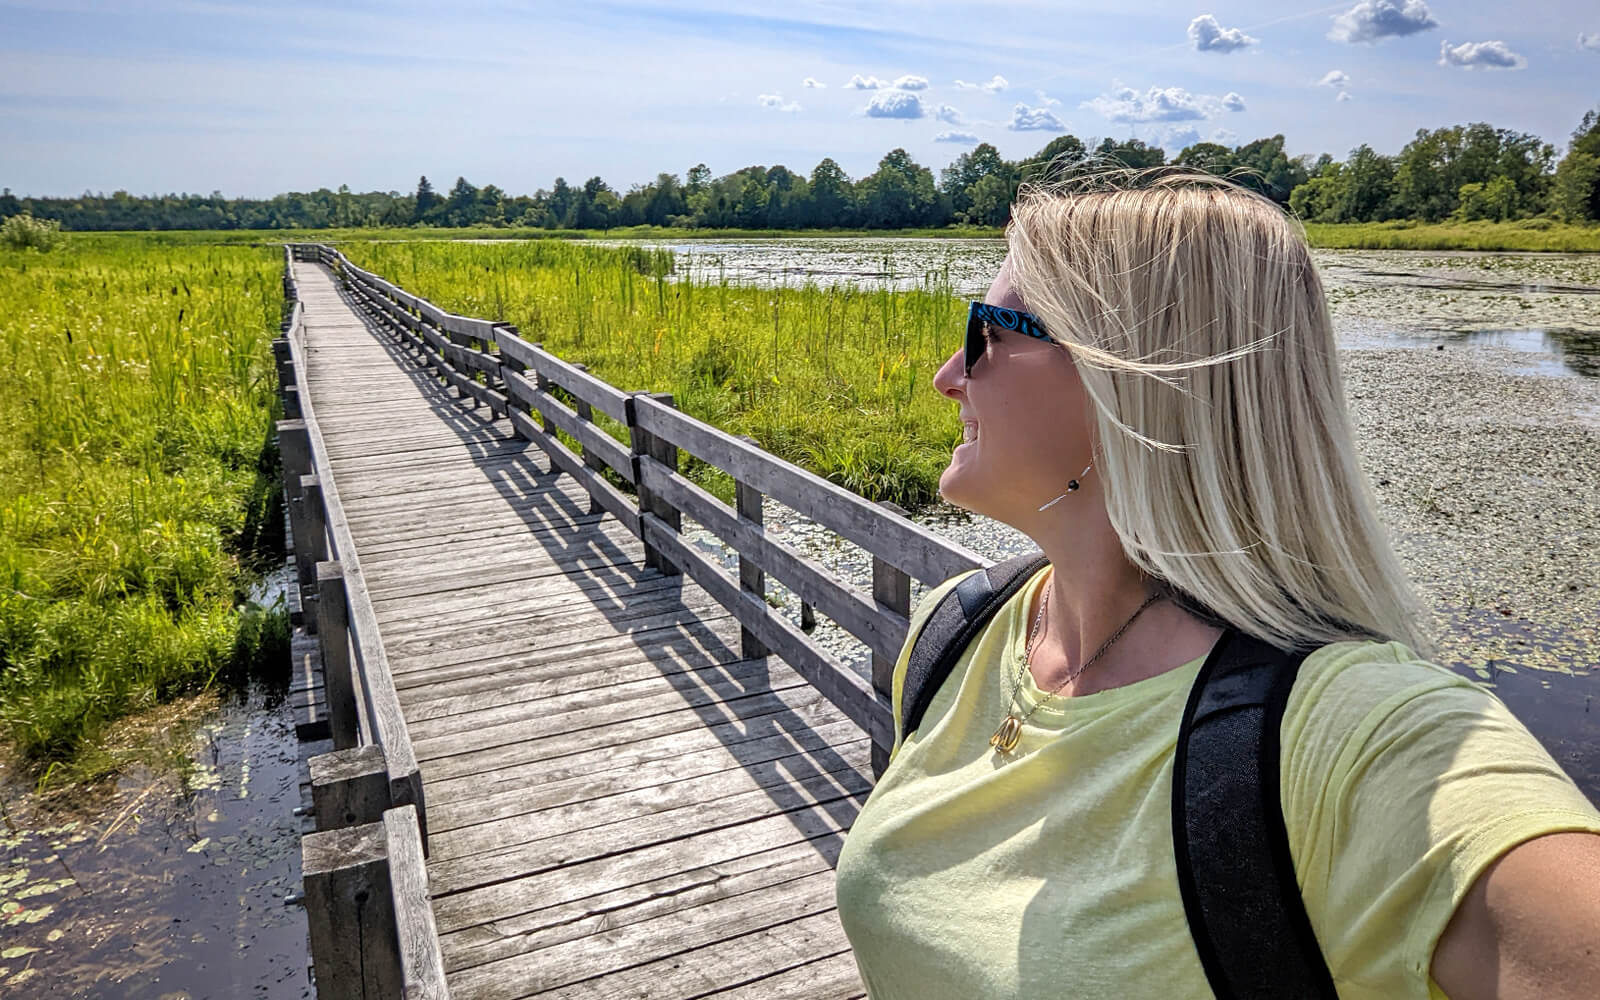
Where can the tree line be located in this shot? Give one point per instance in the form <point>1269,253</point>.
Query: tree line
<point>1469,172</point>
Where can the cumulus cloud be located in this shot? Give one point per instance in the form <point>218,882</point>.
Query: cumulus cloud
<point>994,86</point>
<point>1373,20</point>
<point>962,138</point>
<point>909,82</point>
<point>1480,55</point>
<point>1232,102</point>
<point>1226,137</point>
<point>1026,119</point>
<point>1588,41</point>
<point>1338,79</point>
<point>1206,35</point>
<point>1159,104</point>
<point>894,104</point>
<point>1344,95</point>
<point>814,84</point>
<point>859,82</point>
<point>776,103</point>
<point>946,113</point>
<point>1046,100</point>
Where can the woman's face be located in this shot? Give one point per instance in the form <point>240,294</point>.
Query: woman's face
<point>1025,419</point>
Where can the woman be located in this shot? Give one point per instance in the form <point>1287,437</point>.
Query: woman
<point>1166,420</point>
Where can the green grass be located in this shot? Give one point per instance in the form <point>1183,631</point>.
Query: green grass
<point>838,380</point>
<point>1541,235</point>
<point>137,480</point>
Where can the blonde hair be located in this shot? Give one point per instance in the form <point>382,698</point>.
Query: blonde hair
<point>1229,470</point>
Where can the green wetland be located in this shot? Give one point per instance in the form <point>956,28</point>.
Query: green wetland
<point>137,496</point>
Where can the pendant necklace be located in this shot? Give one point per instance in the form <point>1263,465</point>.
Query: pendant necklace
<point>1005,738</point>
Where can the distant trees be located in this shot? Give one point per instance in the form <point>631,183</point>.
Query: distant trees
<point>1461,172</point>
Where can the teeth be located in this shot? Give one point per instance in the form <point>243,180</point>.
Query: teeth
<point>969,432</point>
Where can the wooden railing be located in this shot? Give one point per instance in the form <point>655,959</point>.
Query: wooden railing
<point>495,366</point>
<point>371,925</point>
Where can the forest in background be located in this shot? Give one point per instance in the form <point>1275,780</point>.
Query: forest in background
<point>1462,172</point>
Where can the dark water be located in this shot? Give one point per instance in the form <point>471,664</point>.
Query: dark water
<point>175,889</point>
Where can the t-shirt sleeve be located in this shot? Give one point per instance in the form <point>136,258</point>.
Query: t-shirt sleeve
<point>1401,783</point>
<point>919,617</point>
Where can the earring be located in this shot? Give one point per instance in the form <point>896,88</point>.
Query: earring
<point>1072,487</point>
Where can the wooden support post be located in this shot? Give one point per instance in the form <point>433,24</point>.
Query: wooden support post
<point>349,901</point>
<point>891,589</point>
<point>333,630</point>
<point>310,549</point>
<point>290,395</point>
<point>586,414</point>
<point>349,787</point>
<point>751,579</point>
<point>281,351</point>
<point>294,452</point>
<point>543,385</point>
<point>648,445</point>
<point>808,617</point>
<point>285,375</point>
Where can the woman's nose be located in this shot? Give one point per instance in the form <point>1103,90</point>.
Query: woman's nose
<point>951,378</point>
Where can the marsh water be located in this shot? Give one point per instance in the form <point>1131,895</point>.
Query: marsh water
<point>173,888</point>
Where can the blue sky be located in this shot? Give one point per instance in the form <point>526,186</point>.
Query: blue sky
<point>257,99</point>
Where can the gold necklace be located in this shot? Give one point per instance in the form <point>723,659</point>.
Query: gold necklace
<point>1005,738</point>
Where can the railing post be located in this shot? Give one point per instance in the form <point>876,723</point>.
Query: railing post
<point>311,549</point>
<point>349,902</point>
<point>349,787</point>
<point>543,385</point>
<point>751,578</point>
<point>648,445</point>
<point>294,452</point>
<point>586,414</point>
<point>333,632</point>
<point>891,589</point>
<point>290,394</point>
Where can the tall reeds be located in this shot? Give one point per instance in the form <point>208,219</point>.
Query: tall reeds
<point>838,378</point>
<point>136,479</point>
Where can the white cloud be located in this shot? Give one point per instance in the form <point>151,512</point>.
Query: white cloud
<point>1159,104</point>
<point>777,103</point>
<point>1338,79</point>
<point>1588,41</point>
<point>814,84</point>
<point>909,82</point>
<point>859,82</point>
<point>963,138</point>
<point>1372,20</point>
<point>1206,35</point>
<point>946,113</point>
<point>1480,55</point>
<point>1026,119</point>
<point>1046,100</point>
<point>1225,136</point>
<point>1344,95</point>
<point>994,86</point>
<point>894,104</point>
<point>1232,102</point>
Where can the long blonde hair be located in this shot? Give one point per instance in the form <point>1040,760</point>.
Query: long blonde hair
<point>1229,470</point>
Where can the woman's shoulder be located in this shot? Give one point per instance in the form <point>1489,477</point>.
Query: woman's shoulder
<point>1363,677</point>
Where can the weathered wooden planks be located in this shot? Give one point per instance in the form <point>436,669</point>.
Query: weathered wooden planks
<point>621,804</point>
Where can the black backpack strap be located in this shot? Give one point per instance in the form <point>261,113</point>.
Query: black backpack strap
<point>960,615</point>
<point>1235,871</point>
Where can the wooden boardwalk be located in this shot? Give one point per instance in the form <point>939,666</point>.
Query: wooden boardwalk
<point>618,805</point>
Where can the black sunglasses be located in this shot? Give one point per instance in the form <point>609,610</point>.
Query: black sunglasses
<point>980,313</point>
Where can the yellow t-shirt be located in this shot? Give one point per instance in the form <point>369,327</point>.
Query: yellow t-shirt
<point>1052,875</point>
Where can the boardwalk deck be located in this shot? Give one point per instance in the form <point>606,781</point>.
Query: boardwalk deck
<point>618,804</point>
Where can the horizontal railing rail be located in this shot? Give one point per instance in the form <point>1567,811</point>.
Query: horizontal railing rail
<point>364,872</point>
<point>541,395</point>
